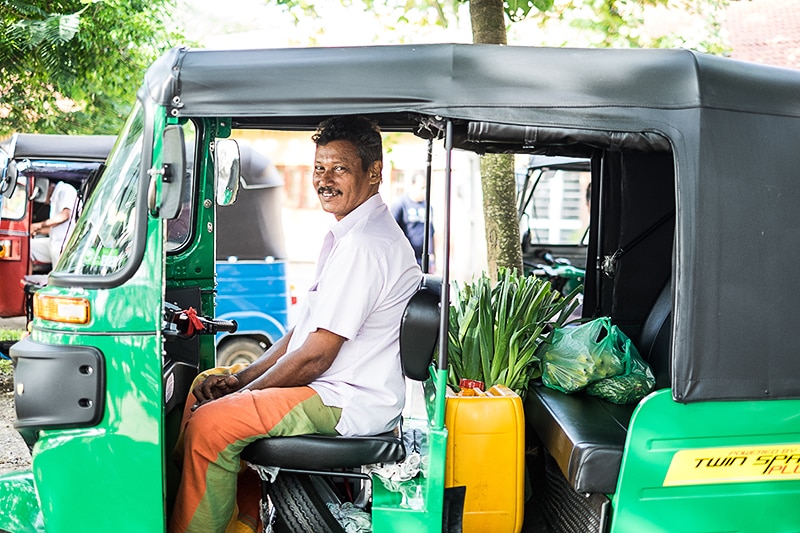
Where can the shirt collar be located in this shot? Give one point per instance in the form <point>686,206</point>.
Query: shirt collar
<point>353,217</point>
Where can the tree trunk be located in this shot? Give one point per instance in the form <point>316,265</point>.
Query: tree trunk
<point>497,170</point>
<point>488,22</point>
<point>500,213</point>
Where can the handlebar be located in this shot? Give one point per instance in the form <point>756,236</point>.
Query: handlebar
<point>187,323</point>
<point>218,326</point>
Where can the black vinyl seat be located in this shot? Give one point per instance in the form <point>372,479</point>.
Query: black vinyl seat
<point>321,453</point>
<point>586,435</point>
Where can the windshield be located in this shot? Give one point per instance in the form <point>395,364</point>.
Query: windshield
<point>73,172</point>
<point>104,235</point>
<point>555,205</point>
<point>14,208</point>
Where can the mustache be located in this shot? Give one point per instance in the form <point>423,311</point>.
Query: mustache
<point>329,190</point>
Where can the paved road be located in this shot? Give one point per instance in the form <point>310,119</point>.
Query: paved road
<point>14,453</point>
<point>16,322</point>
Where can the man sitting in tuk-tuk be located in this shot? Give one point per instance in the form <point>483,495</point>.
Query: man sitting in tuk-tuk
<point>338,371</point>
<point>57,227</point>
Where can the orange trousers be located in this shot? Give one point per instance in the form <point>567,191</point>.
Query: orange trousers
<point>217,493</point>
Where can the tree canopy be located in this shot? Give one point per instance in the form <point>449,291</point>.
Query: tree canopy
<point>73,66</point>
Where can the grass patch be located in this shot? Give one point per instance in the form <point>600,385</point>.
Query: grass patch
<point>11,334</point>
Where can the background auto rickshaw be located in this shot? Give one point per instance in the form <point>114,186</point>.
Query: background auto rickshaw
<point>553,209</point>
<point>39,160</point>
<point>693,170</point>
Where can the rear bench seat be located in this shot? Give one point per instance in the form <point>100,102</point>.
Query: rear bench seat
<point>586,435</point>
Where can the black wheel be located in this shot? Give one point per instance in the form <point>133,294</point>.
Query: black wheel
<point>299,506</point>
<point>239,350</point>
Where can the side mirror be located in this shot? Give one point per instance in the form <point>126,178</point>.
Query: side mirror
<point>8,175</point>
<point>39,193</point>
<point>227,170</point>
<point>174,157</point>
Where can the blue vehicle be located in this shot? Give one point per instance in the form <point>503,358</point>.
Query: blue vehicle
<point>255,294</point>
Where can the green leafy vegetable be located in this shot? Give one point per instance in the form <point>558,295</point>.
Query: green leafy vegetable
<point>495,331</point>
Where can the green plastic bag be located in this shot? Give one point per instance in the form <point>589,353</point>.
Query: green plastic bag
<point>598,357</point>
<point>636,382</point>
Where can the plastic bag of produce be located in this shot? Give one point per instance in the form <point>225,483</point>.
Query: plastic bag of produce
<point>598,357</point>
<point>632,385</point>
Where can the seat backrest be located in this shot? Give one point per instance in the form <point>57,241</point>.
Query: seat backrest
<point>419,328</point>
<point>656,337</point>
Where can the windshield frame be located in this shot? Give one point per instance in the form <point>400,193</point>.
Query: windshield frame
<point>138,240</point>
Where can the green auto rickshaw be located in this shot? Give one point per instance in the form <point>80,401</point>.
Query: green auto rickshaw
<point>694,219</point>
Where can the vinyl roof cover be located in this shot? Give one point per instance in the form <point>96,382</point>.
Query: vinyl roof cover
<point>733,129</point>
<point>60,147</point>
<point>477,82</point>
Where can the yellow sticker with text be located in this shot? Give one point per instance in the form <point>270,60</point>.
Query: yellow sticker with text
<point>739,464</point>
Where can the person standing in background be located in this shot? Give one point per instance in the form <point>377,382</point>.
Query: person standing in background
<point>409,212</point>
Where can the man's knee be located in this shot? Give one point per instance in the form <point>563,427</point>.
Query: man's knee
<point>201,427</point>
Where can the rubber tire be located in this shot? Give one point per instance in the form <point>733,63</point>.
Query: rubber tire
<point>299,506</point>
<point>239,350</point>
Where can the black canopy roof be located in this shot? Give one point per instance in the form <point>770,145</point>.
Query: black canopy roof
<point>732,128</point>
<point>59,147</point>
<point>512,85</point>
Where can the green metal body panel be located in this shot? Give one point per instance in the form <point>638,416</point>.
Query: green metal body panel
<point>84,477</point>
<point>417,505</point>
<point>193,266</point>
<point>19,508</point>
<point>745,430</point>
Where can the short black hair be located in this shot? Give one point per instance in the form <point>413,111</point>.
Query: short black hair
<point>361,131</point>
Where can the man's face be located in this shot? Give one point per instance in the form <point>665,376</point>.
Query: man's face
<point>340,182</point>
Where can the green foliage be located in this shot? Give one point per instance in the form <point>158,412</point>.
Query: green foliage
<point>599,23</point>
<point>519,9</point>
<point>302,8</point>
<point>495,330</point>
<point>621,23</point>
<point>11,334</point>
<point>74,66</point>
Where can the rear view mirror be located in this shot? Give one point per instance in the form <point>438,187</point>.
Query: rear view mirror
<point>227,170</point>
<point>8,175</point>
<point>174,157</point>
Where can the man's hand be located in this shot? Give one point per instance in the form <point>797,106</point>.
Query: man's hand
<point>39,227</point>
<point>213,387</point>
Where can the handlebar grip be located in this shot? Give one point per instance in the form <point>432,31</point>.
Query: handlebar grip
<point>229,326</point>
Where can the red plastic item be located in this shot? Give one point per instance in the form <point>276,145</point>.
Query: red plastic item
<point>471,384</point>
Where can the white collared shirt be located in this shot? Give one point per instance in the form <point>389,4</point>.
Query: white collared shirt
<point>365,276</point>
